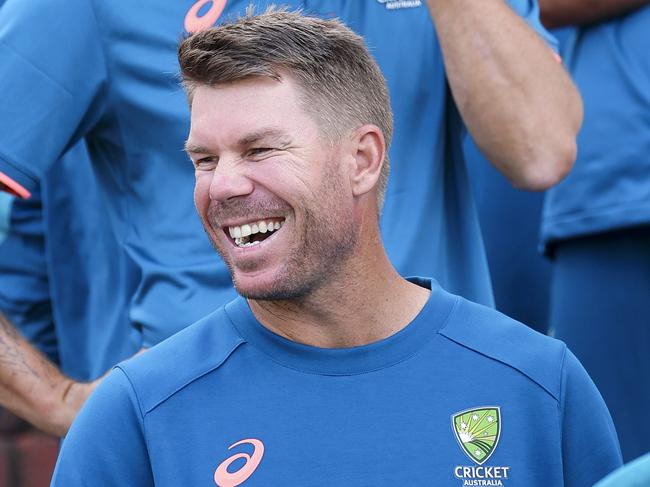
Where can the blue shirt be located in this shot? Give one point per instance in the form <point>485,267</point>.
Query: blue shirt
<point>609,186</point>
<point>64,281</point>
<point>461,394</point>
<point>91,279</point>
<point>24,291</point>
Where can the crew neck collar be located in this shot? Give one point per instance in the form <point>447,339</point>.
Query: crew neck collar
<point>347,361</point>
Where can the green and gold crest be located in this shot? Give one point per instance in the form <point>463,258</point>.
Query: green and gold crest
<point>477,431</point>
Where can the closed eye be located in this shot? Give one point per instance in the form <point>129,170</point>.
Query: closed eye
<point>259,151</point>
<point>206,163</point>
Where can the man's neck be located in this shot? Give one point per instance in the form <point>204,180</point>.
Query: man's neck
<point>362,305</point>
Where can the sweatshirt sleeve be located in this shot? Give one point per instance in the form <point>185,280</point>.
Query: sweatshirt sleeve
<point>590,448</point>
<point>52,76</point>
<point>106,444</point>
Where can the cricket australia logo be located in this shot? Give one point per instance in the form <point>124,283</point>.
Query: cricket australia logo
<point>477,431</point>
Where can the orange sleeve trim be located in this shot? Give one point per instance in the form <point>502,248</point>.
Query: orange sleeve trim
<point>13,187</point>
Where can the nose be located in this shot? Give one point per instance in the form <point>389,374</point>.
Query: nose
<point>229,181</point>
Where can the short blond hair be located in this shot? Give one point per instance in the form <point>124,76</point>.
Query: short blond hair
<point>342,84</point>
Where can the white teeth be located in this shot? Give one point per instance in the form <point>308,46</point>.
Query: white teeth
<point>241,233</point>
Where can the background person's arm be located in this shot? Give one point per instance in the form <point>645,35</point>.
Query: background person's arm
<point>559,13</point>
<point>34,388</point>
<point>516,99</point>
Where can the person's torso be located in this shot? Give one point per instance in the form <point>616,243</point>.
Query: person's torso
<point>609,186</point>
<point>90,279</point>
<point>436,419</point>
<point>418,408</point>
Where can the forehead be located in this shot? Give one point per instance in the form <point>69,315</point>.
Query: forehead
<point>225,112</point>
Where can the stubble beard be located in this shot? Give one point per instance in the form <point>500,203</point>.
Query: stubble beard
<point>326,242</point>
<point>316,261</point>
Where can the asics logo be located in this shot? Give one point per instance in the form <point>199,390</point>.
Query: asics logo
<point>195,23</point>
<point>224,478</point>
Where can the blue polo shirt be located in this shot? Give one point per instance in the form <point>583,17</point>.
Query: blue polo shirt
<point>107,72</point>
<point>462,394</point>
<point>64,280</point>
<point>24,291</point>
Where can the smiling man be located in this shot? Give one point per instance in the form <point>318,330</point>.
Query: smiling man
<point>274,167</point>
<point>331,369</point>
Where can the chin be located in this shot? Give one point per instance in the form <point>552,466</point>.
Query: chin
<point>278,289</point>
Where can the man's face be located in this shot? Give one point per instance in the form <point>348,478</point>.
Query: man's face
<point>272,193</point>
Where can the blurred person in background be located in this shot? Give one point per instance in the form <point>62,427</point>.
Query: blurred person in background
<point>596,223</point>
<point>65,284</point>
<point>514,98</point>
<point>510,219</point>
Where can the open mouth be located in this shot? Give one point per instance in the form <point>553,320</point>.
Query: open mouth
<point>251,234</point>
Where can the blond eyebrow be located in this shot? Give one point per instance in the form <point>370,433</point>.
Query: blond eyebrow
<point>192,148</point>
<point>263,134</point>
<point>246,140</point>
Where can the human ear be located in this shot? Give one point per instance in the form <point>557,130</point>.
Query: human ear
<point>369,151</point>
